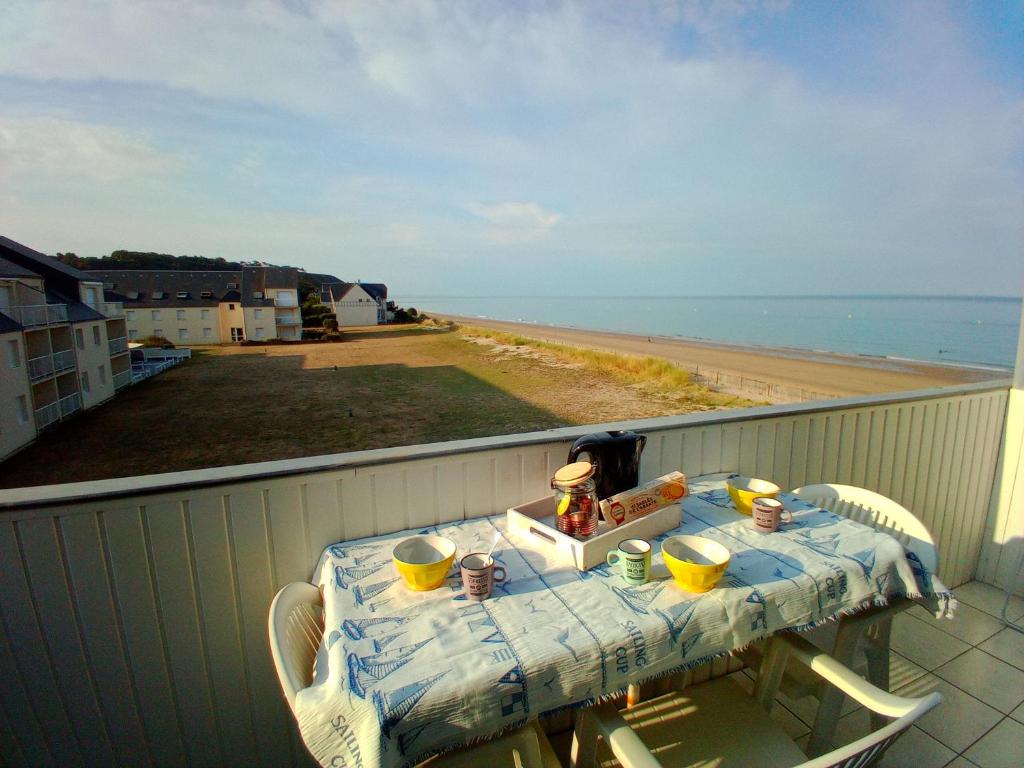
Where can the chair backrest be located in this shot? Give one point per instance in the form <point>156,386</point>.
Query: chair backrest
<point>878,511</point>
<point>296,628</point>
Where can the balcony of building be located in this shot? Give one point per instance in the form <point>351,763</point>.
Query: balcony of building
<point>110,309</point>
<point>118,346</point>
<point>53,364</point>
<point>135,609</point>
<point>39,315</point>
<point>288,319</point>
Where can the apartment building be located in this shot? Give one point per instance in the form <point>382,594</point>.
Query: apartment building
<point>356,303</point>
<point>207,307</point>
<point>64,348</point>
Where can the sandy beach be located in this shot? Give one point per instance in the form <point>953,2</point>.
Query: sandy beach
<point>828,373</point>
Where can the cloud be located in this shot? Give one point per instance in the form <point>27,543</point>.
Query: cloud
<point>67,148</point>
<point>515,222</point>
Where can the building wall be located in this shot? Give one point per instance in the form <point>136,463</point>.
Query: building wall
<point>356,308</point>
<point>259,323</point>
<point>91,357</point>
<point>14,432</point>
<point>198,329</point>
<point>231,316</point>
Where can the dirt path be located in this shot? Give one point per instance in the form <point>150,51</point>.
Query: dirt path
<point>842,375</point>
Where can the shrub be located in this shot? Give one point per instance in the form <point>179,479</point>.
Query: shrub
<point>157,342</point>
<point>312,334</point>
<point>331,324</point>
<point>333,336</point>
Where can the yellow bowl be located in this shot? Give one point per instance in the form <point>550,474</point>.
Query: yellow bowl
<point>424,561</point>
<point>695,563</point>
<point>744,490</point>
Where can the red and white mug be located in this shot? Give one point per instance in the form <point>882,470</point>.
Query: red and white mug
<point>769,514</point>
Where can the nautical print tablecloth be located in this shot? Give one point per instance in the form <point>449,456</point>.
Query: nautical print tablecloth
<point>402,675</point>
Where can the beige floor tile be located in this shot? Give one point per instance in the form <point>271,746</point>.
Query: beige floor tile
<point>1008,645</point>
<point>986,678</point>
<point>959,720</point>
<point>1018,714</point>
<point>1002,747</point>
<point>961,762</point>
<point>968,623</point>
<point>791,724</point>
<point>989,599</point>
<point>923,644</point>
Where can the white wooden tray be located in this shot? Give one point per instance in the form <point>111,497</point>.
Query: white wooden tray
<point>535,521</point>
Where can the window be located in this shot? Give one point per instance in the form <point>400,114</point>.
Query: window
<point>159,294</point>
<point>109,286</point>
<point>103,375</point>
<point>181,314</point>
<point>134,295</point>
<point>237,334</point>
<point>158,331</point>
<point>257,294</point>
<point>232,286</point>
<point>14,353</point>
<point>259,333</point>
<point>206,294</point>
<point>231,307</point>
<point>258,314</point>
<point>155,314</point>
<point>130,315</point>
<point>182,294</point>
<point>133,334</point>
<point>79,338</point>
<point>207,333</point>
<point>85,381</point>
<point>22,410</point>
<point>204,314</point>
<point>183,333</point>
<point>96,335</point>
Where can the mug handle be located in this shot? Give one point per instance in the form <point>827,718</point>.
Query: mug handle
<point>782,516</point>
<point>613,558</point>
<point>497,568</point>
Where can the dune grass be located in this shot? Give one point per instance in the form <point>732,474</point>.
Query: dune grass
<point>652,372</point>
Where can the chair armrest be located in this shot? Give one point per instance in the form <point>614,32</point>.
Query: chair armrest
<point>849,682</point>
<point>627,747</point>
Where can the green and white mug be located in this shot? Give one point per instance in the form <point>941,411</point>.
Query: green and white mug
<point>633,557</point>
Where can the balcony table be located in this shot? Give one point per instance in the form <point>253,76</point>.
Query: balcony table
<point>402,675</point>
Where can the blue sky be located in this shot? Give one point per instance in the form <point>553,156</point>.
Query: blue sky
<point>501,148</point>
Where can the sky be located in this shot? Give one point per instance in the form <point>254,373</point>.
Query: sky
<point>528,148</point>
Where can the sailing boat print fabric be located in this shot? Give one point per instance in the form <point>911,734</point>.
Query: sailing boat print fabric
<point>401,675</point>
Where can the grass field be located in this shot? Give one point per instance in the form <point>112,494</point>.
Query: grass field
<point>382,387</point>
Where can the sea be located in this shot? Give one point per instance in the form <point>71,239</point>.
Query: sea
<point>957,330</point>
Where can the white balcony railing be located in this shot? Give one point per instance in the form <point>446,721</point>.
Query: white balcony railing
<point>122,379</point>
<point>118,345</point>
<point>47,415</point>
<point>40,367</point>
<point>70,404</point>
<point>286,301</point>
<point>222,540</point>
<point>111,309</point>
<point>34,315</point>
<point>289,320</point>
<point>45,366</point>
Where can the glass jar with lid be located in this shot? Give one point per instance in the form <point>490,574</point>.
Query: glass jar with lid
<point>576,507</point>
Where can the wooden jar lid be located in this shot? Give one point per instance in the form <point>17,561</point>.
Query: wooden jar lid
<point>575,473</point>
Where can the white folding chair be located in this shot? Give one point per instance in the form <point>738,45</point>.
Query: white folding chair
<point>296,629</point>
<point>717,723</point>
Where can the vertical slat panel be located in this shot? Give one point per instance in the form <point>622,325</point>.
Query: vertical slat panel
<point>732,435</point>
<point>100,633</point>
<point>390,500</point>
<point>27,693</point>
<point>986,479</point>
<point>478,480</point>
<point>451,491</point>
<point>952,513</point>
<point>764,457</point>
<point>58,621</point>
<point>900,470</point>
<point>781,470</point>
<point>816,427</point>
<point>255,581</point>
<point>536,480</point>
<point>887,450</point>
<point>747,464</point>
<point>863,433</point>
<point>132,583</point>
<point>508,481</point>
<point>284,505</point>
<point>711,449</point>
<point>845,446</point>
<point>671,453</point>
<point>924,460</point>
<point>172,575</point>
<point>421,492</point>
<point>874,456</point>
<point>357,504</point>
<point>323,516</point>
<point>798,452</point>
<point>938,476</point>
<point>967,498</point>
<point>651,461</point>
<point>833,432</point>
<point>215,578</point>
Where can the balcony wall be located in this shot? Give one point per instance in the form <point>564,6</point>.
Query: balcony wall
<point>134,610</point>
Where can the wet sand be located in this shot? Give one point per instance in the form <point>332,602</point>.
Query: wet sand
<point>828,373</point>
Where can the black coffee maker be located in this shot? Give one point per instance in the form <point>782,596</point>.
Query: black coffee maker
<point>616,459</point>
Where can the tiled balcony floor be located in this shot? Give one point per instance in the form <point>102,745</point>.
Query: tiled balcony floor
<point>974,661</point>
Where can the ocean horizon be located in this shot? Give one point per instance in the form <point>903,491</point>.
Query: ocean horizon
<point>949,329</point>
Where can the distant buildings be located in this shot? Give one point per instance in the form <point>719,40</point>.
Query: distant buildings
<point>256,303</point>
<point>63,346</point>
<point>356,303</point>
